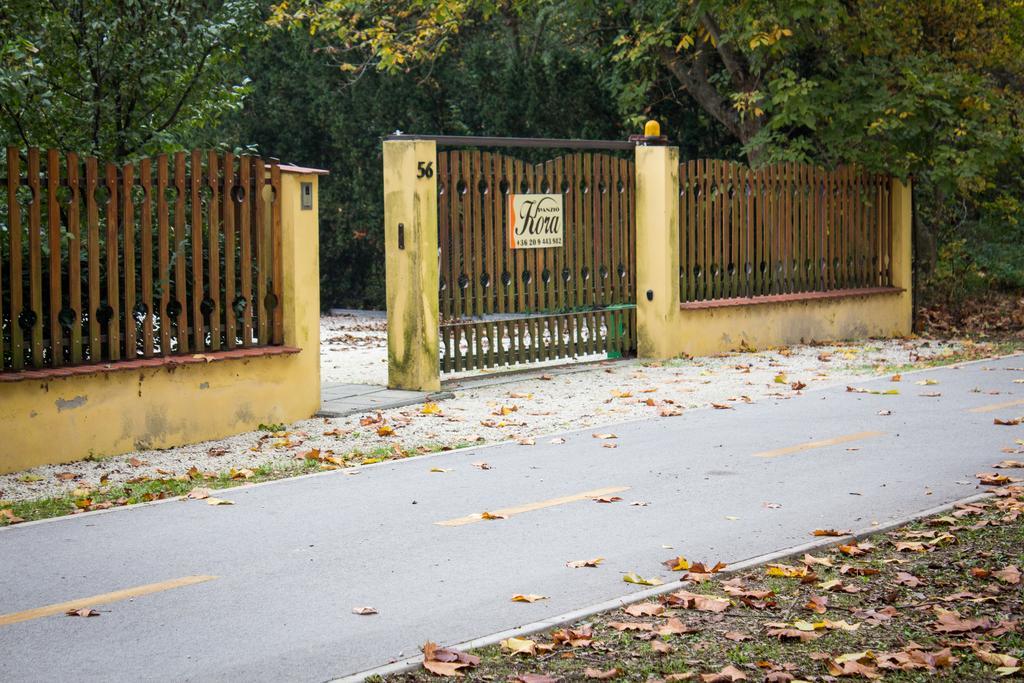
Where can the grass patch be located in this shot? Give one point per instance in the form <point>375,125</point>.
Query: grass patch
<point>145,489</point>
<point>886,619</point>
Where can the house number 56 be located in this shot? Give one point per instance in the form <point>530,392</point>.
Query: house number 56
<point>425,169</point>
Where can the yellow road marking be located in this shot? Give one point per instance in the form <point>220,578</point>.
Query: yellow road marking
<point>530,507</point>
<point>996,406</point>
<point>817,444</point>
<point>116,596</point>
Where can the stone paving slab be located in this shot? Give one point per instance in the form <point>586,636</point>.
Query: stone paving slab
<point>339,400</point>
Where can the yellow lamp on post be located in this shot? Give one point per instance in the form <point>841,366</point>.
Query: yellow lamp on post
<point>651,136</point>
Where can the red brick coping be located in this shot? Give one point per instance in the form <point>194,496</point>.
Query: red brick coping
<point>787,298</point>
<point>141,363</point>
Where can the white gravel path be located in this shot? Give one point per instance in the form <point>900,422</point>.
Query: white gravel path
<point>354,349</point>
<point>523,408</point>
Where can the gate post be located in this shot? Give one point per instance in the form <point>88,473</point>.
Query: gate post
<point>901,260</point>
<point>657,251</point>
<point>410,247</point>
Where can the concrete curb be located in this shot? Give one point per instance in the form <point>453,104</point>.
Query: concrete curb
<point>414,663</point>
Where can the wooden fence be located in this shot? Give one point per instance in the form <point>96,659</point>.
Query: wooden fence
<point>172,255</point>
<point>781,229</point>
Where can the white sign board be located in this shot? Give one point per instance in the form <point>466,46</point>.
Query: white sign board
<point>535,221</point>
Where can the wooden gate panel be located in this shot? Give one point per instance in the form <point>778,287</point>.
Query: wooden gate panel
<point>501,306</point>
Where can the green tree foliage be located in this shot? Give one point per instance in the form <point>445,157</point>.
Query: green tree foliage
<point>923,88</point>
<point>120,78</point>
<point>507,74</point>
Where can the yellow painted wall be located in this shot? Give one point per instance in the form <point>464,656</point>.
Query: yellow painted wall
<point>69,418</point>
<point>702,332</point>
<point>665,330</point>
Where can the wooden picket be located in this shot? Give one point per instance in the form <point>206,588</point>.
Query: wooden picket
<point>780,229</point>
<point>501,306</point>
<point>137,261</point>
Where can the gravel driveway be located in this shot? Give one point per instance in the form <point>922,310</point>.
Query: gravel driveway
<point>523,408</point>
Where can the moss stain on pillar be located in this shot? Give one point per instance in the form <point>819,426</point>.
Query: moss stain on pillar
<point>410,231</point>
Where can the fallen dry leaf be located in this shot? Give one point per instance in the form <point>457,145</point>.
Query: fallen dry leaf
<point>852,668</point>
<point>364,610</point>
<point>1010,575</point>
<point>737,636</point>
<point>674,626</point>
<point>661,647</point>
<point>607,499</point>
<point>702,603</point>
<point>909,580</point>
<point>1008,464</point>
<point>519,597</point>
<point>644,609</point>
<point>10,517</point>
<point>787,571</point>
<point>792,634</point>
<point>534,678</point>
<point>600,675</point>
<point>729,674</point>
<point>856,548</point>
<point>519,646</point>
<point>632,577</point>
<point>580,637</point>
<point>198,493</point>
<point>82,612</point>
<point>446,661</point>
<point>990,657</point>
<point>491,515</point>
<point>605,436</point>
<point>830,532</point>
<point>219,501</point>
<point>580,564</point>
<point>994,479</point>
<point>848,570</point>
<point>952,622</point>
<point>630,626</point>
<point>818,604</point>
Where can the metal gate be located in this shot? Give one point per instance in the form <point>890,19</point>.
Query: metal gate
<point>504,306</point>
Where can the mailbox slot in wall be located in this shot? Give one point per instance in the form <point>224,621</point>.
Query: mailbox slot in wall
<point>307,196</point>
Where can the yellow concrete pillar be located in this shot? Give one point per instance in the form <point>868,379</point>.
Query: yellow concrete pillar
<point>901,261</point>
<point>300,243</point>
<point>657,251</point>
<point>410,234</point>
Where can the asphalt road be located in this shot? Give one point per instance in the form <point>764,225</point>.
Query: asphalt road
<point>293,558</point>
